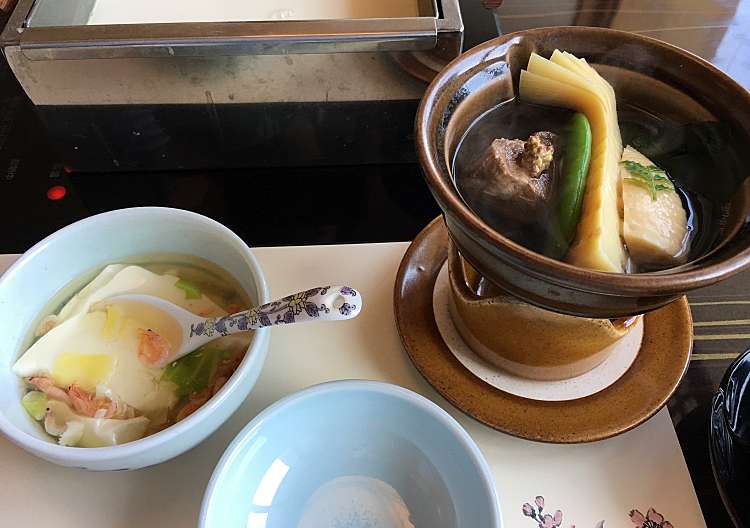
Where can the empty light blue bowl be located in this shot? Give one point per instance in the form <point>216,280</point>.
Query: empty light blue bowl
<point>352,454</point>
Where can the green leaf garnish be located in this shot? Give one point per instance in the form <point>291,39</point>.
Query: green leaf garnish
<point>194,372</point>
<point>652,178</point>
<point>191,290</point>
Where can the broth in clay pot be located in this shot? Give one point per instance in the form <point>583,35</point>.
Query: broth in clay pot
<point>588,171</point>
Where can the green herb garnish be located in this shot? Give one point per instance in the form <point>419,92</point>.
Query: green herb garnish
<point>652,178</point>
<point>194,372</point>
<point>191,290</point>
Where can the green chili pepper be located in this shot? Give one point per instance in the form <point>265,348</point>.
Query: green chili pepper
<point>575,167</point>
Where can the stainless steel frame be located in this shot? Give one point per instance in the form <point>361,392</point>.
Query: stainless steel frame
<point>54,62</point>
<point>75,40</point>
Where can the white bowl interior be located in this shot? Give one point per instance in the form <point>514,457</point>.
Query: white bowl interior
<point>82,249</point>
<point>333,447</point>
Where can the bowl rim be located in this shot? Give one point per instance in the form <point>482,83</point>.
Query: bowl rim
<point>89,455</point>
<point>362,386</point>
<point>666,282</point>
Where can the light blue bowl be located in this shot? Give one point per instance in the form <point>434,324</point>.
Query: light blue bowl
<point>81,250</point>
<point>352,454</point>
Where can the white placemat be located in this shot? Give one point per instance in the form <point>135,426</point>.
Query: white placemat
<point>588,483</point>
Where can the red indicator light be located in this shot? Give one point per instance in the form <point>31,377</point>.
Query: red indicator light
<point>56,193</point>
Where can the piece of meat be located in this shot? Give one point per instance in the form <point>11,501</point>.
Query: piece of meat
<point>538,152</point>
<point>513,175</point>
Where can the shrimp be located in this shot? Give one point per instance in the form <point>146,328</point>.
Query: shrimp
<point>195,400</point>
<point>82,401</point>
<point>153,349</point>
<point>52,425</point>
<point>75,397</point>
<point>86,404</point>
<point>48,387</point>
<point>107,409</point>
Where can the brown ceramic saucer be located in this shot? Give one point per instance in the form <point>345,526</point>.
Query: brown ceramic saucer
<point>638,395</point>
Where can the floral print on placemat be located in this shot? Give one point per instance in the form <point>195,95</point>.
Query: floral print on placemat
<point>535,511</point>
<point>653,519</point>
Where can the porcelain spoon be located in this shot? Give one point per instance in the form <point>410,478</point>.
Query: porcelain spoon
<point>189,331</point>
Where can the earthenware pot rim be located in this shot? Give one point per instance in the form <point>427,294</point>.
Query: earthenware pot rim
<point>666,282</point>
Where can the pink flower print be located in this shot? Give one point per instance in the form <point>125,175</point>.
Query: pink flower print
<point>548,521</point>
<point>653,519</point>
<point>543,520</point>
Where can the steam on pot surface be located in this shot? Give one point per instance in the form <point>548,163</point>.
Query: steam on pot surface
<point>571,171</point>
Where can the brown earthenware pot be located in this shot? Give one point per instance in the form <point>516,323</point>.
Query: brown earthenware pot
<point>525,340</point>
<point>652,75</point>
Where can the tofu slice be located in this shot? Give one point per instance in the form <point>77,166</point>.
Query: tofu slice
<point>655,230</point>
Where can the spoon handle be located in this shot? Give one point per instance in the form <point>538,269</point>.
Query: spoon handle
<point>326,303</point>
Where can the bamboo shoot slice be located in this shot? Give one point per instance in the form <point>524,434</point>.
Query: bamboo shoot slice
<point>574,84</point>
<point>575,64</point>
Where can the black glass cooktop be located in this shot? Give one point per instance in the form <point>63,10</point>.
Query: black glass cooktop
<point>350,199</point>
<point>265,206</point>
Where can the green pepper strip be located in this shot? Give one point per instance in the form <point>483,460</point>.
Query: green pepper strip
<point>575,167</point>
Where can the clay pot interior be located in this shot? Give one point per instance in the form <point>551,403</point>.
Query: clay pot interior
<point>650,75</point>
